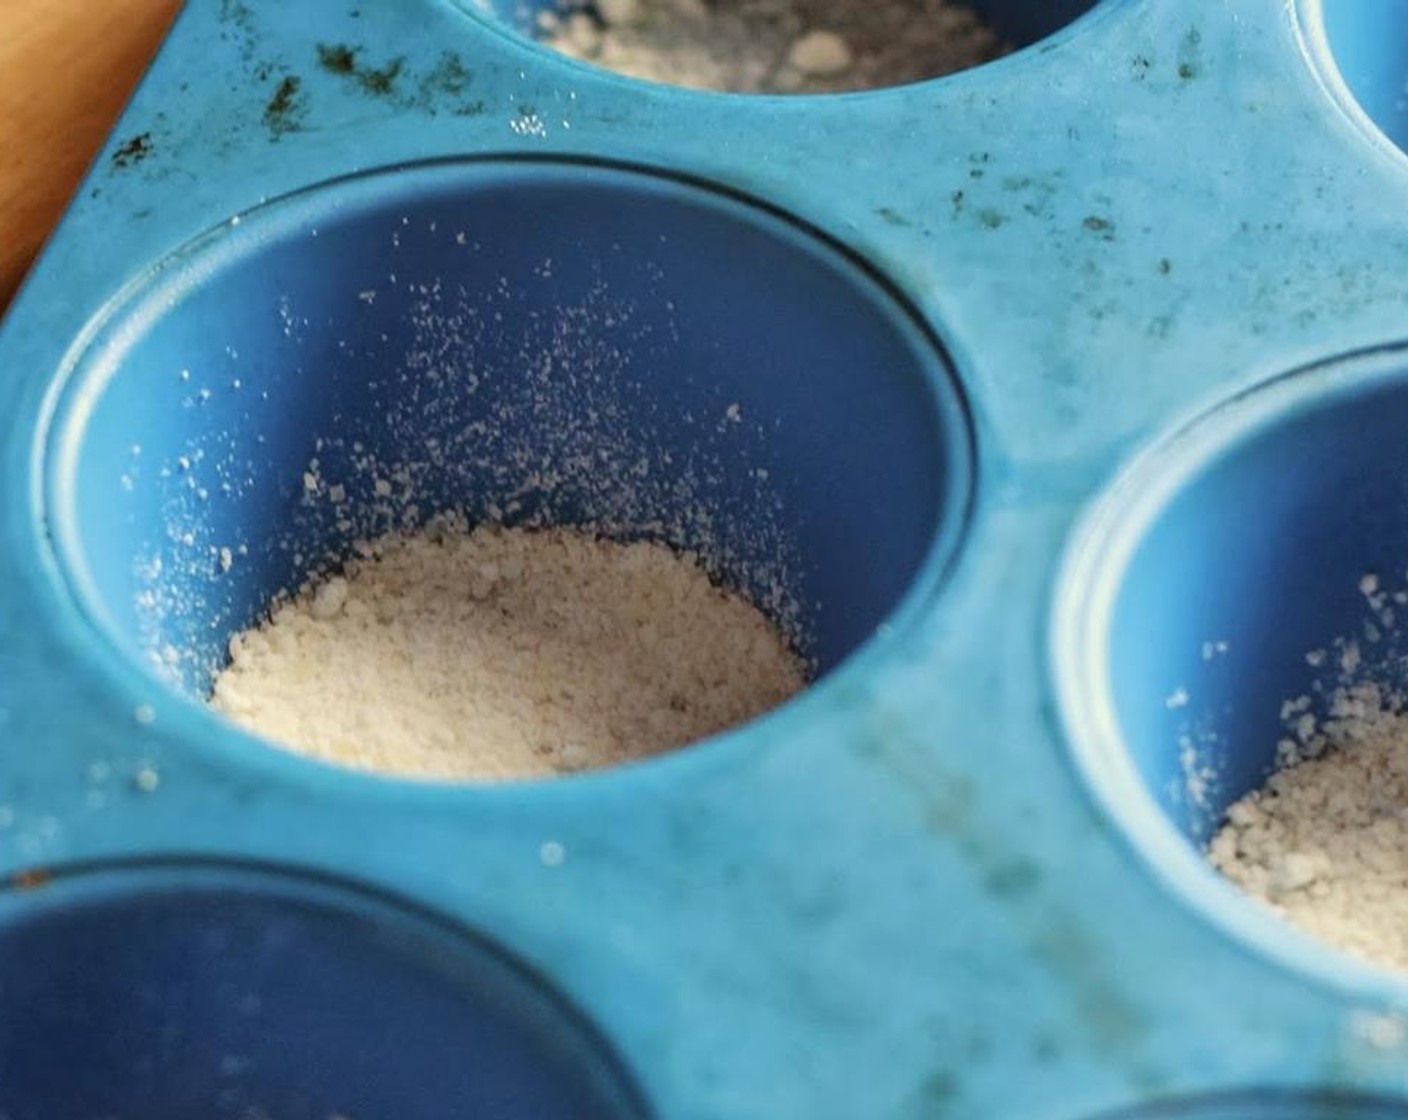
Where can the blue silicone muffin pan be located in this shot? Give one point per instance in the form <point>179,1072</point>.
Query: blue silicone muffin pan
<point>1057,406</point>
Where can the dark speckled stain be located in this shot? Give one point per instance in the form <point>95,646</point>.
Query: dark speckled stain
<point>1035,193</point>
<point>893,218</point>
<point>277,95</point>
<point>239,21</point>
<point>284,112</point>
<point>1165,266</point>
<point>444,86</point>
<point>234,11</point>
<point>381,82</point>
<point>1139,66</point>
<point>1030,194</point>
<point>376,81</point>
<point>1326,288</point>
<point>1102,226</point>
<point>133,151</point>
<point>447,85</point>
<point>450,75</point>
<point>337,59</point>
<point>1190,55</point>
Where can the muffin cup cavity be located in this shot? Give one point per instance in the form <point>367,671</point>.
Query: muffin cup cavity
<point>181,990</point>
<point>1220,599</point>
<point>523,343</point>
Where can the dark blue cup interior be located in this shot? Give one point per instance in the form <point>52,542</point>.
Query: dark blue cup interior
<point>1023,22</point>
<point>1253,566</point>
<point>529,343</point>
<point>1369,42</point>
<point>166,994</point>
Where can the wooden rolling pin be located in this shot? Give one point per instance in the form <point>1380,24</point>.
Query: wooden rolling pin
<point>66,69</point>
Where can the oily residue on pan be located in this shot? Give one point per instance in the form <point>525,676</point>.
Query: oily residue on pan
<point>1071,954</point>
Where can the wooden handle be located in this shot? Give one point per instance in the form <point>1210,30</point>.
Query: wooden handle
<point>66,69</point>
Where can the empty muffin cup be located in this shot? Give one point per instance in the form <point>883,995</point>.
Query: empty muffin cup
<point>166,992</point>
